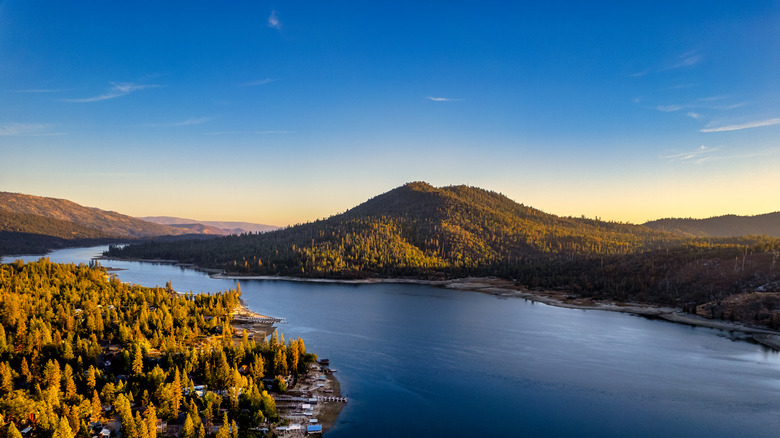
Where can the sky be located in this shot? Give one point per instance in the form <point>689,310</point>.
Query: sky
<point>283,112</point>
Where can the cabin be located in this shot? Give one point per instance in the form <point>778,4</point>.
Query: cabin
<point>161,426</point>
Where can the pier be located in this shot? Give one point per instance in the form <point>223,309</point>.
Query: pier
<point>331,399</point>
<point>259,320</point>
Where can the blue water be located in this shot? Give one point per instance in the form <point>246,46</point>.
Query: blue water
<point>424,361</point>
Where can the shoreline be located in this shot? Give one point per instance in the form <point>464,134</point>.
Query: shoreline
<point>507,289</point>
<point>326,412</point>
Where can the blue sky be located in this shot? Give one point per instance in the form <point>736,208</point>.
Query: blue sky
<point>285,112</point>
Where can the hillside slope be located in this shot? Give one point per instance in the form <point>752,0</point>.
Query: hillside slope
<point>107,223</point>
<point>34,225</point>
<point>416,229</point>
<point>421,231</point>
<point>721,226</point>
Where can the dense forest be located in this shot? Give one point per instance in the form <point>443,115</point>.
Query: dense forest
<point>721,226</point>
<point>78,347</point>
<point>421,231</point>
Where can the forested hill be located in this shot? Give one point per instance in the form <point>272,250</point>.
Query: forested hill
<point>34,224</point>
<point>413,230</point>
<point>421,231</point>
<point>721,226</point>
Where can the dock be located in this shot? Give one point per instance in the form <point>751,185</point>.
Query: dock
<point>268,320</point>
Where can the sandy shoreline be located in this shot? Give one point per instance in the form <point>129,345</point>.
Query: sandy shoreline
<point>507,289</point>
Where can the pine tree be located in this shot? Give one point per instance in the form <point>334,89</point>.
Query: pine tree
<point>63,429</point>
<point>91,378</point>
<point>3,343</point>
<point>6,378</point>
<point>69,383</point>
<point>176,393</point>
<point>97,407</point>
<point>51,374</point>
<point>12,431</point>
<point>140,426</point>
<point>138,361</point>
<point>151,420</point>
<point>224,430</point>
<point>24,368</point>
<point>188,430</point>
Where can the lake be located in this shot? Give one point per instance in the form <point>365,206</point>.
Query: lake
<point>424,361</point>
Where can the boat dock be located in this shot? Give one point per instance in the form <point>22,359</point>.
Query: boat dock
<point>325,398</point>
<point>268,320</point>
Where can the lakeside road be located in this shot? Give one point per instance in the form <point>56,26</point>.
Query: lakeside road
<point>508,289</point>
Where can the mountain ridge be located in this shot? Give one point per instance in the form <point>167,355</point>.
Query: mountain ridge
<point>37,224</point>
<point>227,227</point>
<point>729,225</point>
<point>110,223</point>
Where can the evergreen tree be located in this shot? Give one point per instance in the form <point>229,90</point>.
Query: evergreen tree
<point>151,421</point>
<point>91,378</point>
<point>188,429</point>
<point>12,431</point>
<point>138,361</point>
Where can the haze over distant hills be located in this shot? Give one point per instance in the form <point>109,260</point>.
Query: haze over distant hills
<point>721,226</point>
<point>211,227</point>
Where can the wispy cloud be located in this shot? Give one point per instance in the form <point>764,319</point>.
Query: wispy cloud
<point>189,122</point>
<point>273,21</point>
<point>705,153</point>
<point>14,129</point>
<point>697,156</point>
<point>688,59</point>
<point>694,115</point>
<point>258,82</point>
<point>443,99</point>
<point>118,89</point>
<point>756,124</point>
<point>703,103</point>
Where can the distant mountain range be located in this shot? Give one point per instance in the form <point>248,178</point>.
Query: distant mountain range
<point>210,227</point>
<point>35,224</point>
<point>721,226</point>
<point>421,231</point>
